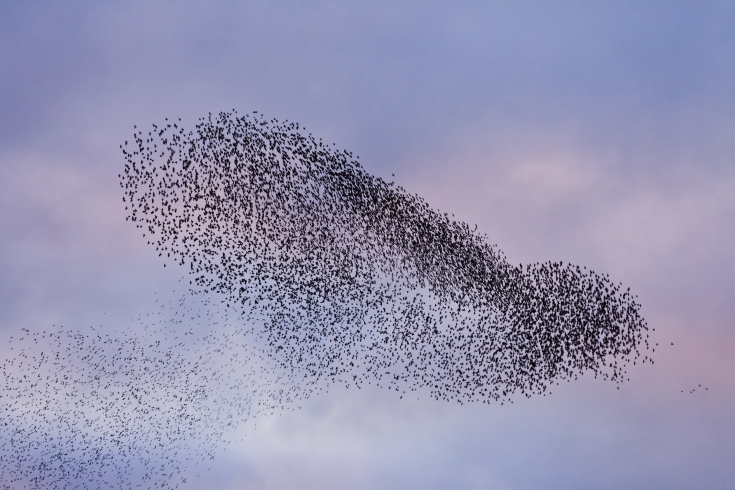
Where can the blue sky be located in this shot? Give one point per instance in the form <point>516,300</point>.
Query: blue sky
<point>594,133</point>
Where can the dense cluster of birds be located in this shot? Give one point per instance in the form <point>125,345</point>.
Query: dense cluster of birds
<point>333,275</point>
<point>352,277</point>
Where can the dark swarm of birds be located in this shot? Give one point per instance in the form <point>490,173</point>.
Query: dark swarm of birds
<point>332,276</point>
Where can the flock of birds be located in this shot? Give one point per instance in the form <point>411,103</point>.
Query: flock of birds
<point>143,407</point>
<point>328,275</point>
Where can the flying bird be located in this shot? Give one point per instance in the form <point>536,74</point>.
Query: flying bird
<point>353,277</point>
<point>304,270</point>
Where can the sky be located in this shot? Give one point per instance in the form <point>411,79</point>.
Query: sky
<point>597,133</point>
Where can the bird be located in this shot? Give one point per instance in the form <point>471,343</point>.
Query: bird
<point>304,271</point>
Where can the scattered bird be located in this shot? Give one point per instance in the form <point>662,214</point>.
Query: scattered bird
<point>135,408</point>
